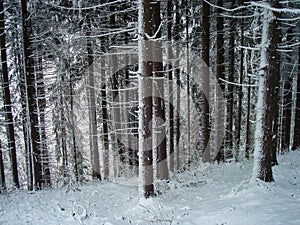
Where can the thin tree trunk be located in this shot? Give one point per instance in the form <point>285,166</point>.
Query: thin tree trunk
<point>296,141</point>
<point>187,24</point>
<point>229,117</point>
<point>177,77</point>
<point>42,106</point>
<point>170,77</point>
<point>220,74</point>
<point>287,114</point>
<point>206,156</point>
<point>159,100</point>
<point>7,101</point>
<point>92,108</point>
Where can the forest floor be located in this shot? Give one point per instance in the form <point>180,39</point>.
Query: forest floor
<point>214,195</point>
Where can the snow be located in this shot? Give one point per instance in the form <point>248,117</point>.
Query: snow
<point>217,194</point>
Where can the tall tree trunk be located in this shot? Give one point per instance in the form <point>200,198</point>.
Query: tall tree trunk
<point>7,101</point>
<point>268,77</point>
<point>170,77</point>
<point>104,120</point>
<point>287,114</point>
<point>145,98</point>
<point>206,156</point>
<point>177,77</point>
<point>287,101</point>
<point>296,141</point>
<point>187,24</point>
<point>42,106</point>
<point>18,61</point>
<point>229,97</point>
<point>92,107</point>
<point>220,74</point>
<point>159,100</point>
<point>31,97</point>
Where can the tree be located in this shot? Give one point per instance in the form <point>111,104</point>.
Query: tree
<point>231,72</point>
<point>170,77</point>
<point>220,75</point>
<point>159,103</point>
<point>34,136</point>
<point>7,100</point>
<point>268,82</point>
<point>92,105</point>
<point>145,103</point>
<point>296,141</point>
<point>205,101</point>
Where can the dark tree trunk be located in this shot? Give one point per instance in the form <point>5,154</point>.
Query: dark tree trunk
<point>7,101</point>
<point>148,101</point>
<point>31,97</point>
<point>159,100</point>
<point>229,97</point>
<point>220,75</point>
<point>42,106</point>
<point>296,141</point>
<point>274,60</point>
<point>206,157</point>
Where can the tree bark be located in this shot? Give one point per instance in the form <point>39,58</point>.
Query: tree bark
<point>268,82</point>
<point>206,156</point>
<point>159,100</point>
<point>220,75</point>
<point>296,141</point>
<point>92,107</point>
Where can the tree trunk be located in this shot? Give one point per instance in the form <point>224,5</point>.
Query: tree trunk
<point>42,106</point>
<point>206,156</point>
<point>177,77</point>
<point>220,74</point>
<point>7,101</point>
<point>170,77</point>
<point>287,114</point>
<point>159,100</point>
<point>92,107</point>
<point>145,98</point>
<point>268,77</point>
<point>296,141</point>
<point>229,117</point>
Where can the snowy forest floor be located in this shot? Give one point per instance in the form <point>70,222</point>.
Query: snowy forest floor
<point>220,194</point>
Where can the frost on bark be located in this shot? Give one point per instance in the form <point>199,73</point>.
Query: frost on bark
<point>268,83</point>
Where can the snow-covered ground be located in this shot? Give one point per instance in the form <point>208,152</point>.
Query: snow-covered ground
<point>219,194</point>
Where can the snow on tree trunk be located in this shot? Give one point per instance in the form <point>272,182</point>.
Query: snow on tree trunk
<point>262,168</point>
